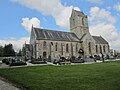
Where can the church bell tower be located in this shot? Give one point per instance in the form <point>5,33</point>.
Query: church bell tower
<point>79,23</point>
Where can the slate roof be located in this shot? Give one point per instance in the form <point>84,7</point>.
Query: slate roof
<point>99,40</point>
<point>43,34</point>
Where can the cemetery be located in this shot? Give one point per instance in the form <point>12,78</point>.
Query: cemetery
<point>13,61</point>
<point>22,61</point>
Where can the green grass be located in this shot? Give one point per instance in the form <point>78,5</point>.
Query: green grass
<point>99,76</point>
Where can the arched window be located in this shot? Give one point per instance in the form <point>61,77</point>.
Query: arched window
<point>44,44</point>
<point>67,48</point>
<point>100,49</point>
<point>76,47</point>
<point>56,46</point>
<point>108,48</point>
<point>61,48</point>
<point>104,49</point>
<point>96,49</point>
<point>50,48</point>
<point>71,49</point>
<point>89,45</point>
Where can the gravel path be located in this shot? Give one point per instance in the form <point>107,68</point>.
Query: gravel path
<point>7,86</point>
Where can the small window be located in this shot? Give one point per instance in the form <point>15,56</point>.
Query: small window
<point>52,43</point>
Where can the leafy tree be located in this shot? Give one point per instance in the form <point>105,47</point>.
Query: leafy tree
<point>23,51</point>
<point>8,50</point>
<point>1,51</point>
<point>19,53</point>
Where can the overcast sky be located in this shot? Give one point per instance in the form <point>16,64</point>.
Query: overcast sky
<point>17,17</point>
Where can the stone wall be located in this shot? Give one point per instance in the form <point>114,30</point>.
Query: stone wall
<point>50,48</point>
<point>104,49</point>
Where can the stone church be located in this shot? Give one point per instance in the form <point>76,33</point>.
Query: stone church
<point>50,43</point>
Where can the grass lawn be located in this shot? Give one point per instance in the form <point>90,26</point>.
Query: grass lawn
<point>99,76</point>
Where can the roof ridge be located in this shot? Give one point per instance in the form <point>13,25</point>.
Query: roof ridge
<point>52,30</point>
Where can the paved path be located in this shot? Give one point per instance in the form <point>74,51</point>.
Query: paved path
<point>7,86</point>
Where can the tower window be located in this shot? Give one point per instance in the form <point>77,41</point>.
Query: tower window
<point>73,21</point>
<point>82,21</point>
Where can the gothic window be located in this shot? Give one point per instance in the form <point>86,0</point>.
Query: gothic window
<point>71,49</point>
<point>104,48</point>
<point>96,49</point>
<point>108,48</point>
<point>89,45</point>
<point>76,47</point>
<point>61,48</point>
<point>100,49</point>
<point>44,44</point>
<point>56,46</point>
<point>50,49</point>
<point>67,48</point>
<point>52,46</point>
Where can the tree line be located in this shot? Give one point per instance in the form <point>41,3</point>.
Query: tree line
<point>8,50</point>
